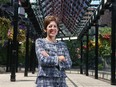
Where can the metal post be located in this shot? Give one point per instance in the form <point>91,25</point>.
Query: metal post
<point>14,48</point>
<point>8,57</point>
<point>33,57</point>
<point>96,49</point>
<point>17,45</point>
<point>87,54</point>
<point>27,52</point>
<point>81,66</point>
<point>10,54</point>
<point>113,44</point>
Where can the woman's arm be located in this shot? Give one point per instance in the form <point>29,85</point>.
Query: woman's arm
<point>67,63</point>
<point>43,57</point>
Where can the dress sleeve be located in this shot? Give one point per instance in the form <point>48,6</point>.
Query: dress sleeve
<point>43,60</point>
<point>68,63</point>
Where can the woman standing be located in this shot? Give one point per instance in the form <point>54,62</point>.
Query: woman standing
<point>53,56</point>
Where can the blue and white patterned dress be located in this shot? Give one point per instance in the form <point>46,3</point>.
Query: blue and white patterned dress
<point>52,72</point>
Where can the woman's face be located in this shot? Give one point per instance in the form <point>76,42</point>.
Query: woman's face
<point>52,29</point>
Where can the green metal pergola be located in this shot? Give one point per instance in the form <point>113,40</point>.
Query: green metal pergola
<point>76,18</point>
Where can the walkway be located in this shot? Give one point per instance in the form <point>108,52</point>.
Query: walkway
<point>73,80</point>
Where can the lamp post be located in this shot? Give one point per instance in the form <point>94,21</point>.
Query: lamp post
<point>14,48</point>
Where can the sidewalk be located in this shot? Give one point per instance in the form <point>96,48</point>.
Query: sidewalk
<point>79,80</point>
<point>73,80</point>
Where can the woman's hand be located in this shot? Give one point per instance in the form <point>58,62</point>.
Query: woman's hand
<point>44,53</point>
<point>61,58</point>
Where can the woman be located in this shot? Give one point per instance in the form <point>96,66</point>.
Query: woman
<point>53,57</point>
